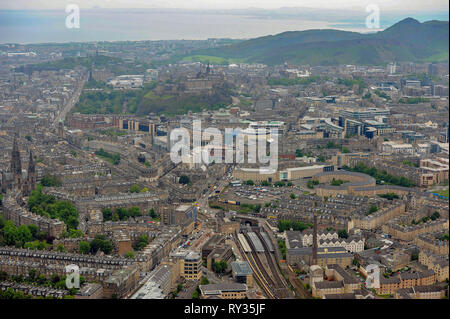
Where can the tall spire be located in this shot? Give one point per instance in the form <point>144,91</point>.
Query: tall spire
<point>16,164</point>
<point>31,165</point>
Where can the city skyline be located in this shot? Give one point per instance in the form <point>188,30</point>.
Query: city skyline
<point>212,151</point>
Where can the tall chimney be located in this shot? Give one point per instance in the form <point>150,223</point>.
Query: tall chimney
<point>314,250</point>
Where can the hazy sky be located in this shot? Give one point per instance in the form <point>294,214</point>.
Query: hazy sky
<point>388,5</point>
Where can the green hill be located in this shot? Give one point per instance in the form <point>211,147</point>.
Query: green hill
<point>407,40</point>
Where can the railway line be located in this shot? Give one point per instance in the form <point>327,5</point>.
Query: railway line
<point>259,264</point>
<point>258,250</point>
<point>280,285</point>
<point>246,253</point>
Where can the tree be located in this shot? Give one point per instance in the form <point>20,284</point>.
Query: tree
<point>152,213</point>
<point>293,196</point>
<point>10,232</point>
<point>342,233</point>
<point>435,216</point>
<point>75,233</point>
<point>33,229</point>
<point>219,267</point>
<point>204,281</point>
<point>84,247</point>
<point>141,243</point>
<point>47,205</point>
<point>129,255</point>
<point>184,180</point>
<point>372,209</point>
<point>135,189</point>
<point>122,213</point>
<point>60,248</point>
<point>36,245</point>
<point>50,181</point>
<point>134,212</point>
<point>24,234</point>
<point>32,274</point>
<point>107,214</point>
<point>101,243</point>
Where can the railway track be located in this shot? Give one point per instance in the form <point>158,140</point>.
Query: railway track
<point>259,263</point>
<point>280,286</point>
<point>272,281</point>
<point>256,273</point>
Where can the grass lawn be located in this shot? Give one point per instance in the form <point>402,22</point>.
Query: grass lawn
<point>443,192</point>
<point>211,59</point>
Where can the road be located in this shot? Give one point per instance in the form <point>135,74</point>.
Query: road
<point>202,203</point>
<point>71,103</point>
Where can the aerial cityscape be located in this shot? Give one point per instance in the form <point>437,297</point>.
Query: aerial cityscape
<point>308,161</point>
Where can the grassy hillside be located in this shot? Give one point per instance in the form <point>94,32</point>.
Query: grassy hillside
<point>407,40</point>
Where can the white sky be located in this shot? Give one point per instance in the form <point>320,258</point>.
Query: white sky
<point>387,5</point>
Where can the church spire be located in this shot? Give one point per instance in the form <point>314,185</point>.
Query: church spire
<point>31,165</point>
<point>16,164</point>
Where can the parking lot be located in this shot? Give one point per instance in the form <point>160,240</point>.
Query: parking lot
<point>255,194</point>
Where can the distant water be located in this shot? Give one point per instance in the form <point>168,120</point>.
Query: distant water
<point>117,25</point>
<point>49,26</point>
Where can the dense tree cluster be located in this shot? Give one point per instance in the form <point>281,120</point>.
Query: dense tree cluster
<point>141,243</point>
<point>219,267</point>
<point>24,236</point>
<point>47,205</point>
<point>100,242</point>
<point>184,180</point>
<point>380,176</point>
<point>50,181</point>
<point>294,225</point>
<point>121,213</point>
<point>342,233</point>
<point>389,196</point>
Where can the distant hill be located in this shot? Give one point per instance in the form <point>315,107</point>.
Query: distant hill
<point>407,40</point>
